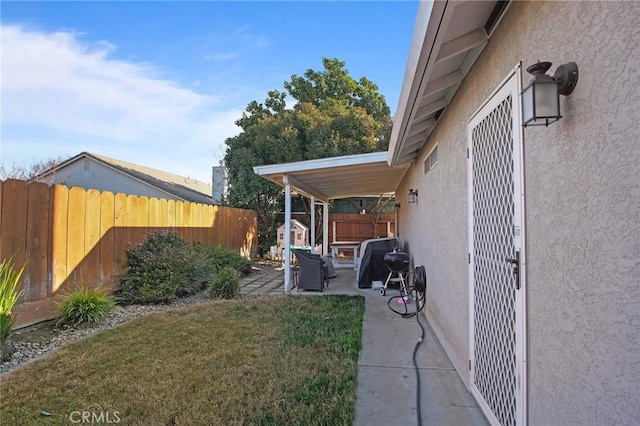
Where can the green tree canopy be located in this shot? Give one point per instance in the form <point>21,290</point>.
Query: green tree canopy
<point>333,115</point>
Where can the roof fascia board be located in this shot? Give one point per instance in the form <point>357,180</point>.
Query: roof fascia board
<point>62,165</point>
<point>428,20</point>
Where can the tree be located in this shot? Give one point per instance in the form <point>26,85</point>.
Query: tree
<point>333,115</point>
<point>29,172</point>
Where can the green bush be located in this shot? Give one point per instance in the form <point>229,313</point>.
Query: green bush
<point>226,284</point>
<point>222,257</point>
<point>9,279</point>
<point>84,306</point>
<point>163,268</point>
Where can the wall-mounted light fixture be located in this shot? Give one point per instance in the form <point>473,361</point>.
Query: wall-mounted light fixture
<point>541,98</point>
<point>413,196</point>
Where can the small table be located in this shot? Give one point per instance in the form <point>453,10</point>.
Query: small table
<point>342,245</point>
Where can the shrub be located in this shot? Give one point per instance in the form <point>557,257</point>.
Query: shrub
<point>84,306</point>
<point>163,268</point>
<point>225,284</point>
<point>222,257</point>
<point>9,279</point>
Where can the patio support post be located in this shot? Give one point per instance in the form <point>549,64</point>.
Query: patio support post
<point>325,228</point>
<point>287,235</point>
<point>313,224</point>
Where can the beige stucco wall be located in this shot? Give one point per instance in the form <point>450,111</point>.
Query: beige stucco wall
<point>582,184</point>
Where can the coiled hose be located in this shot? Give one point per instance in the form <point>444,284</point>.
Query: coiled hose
<point>419,288</point>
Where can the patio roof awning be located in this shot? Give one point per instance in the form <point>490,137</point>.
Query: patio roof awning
<point>337,177</point>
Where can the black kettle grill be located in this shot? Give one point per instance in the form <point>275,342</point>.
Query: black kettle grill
<point>398,264</point>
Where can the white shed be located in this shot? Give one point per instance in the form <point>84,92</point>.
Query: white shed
<point>299,234</point>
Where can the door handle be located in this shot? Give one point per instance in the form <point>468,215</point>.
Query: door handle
<point>515,263</point>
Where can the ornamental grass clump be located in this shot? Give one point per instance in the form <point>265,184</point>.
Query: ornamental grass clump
<point>9,280</point>
<point>84,306</point>
<point>225,284</point>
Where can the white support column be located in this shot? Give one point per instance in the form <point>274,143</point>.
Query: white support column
<point>313,224</point>
<point>287,235</point>
<point>325,228</point>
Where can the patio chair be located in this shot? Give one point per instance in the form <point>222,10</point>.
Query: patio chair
<point>313,273</point>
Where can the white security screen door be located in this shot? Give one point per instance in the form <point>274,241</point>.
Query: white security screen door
<point>497,364</point>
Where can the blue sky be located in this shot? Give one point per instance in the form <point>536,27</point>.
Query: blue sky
<point>161,83</point>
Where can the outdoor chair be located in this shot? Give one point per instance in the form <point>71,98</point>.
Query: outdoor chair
<point>312,272</point>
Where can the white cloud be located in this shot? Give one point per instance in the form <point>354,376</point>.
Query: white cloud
<point>56,86</point>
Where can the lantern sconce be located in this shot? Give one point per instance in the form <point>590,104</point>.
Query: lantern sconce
<point>413,196</point>
<point>541,98</point>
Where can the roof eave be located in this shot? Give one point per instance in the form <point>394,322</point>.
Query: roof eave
<point>448,38</point>
<point>424,37</point>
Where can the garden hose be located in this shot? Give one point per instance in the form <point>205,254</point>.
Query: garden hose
<point>420,289</point>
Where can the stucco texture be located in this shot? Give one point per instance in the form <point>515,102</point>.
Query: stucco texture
<point>582,213</point>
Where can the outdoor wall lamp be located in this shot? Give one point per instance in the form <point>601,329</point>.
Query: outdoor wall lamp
<point>541,98</point>
<point>413,196</point>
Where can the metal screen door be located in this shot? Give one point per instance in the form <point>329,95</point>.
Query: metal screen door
<point>496,270</point>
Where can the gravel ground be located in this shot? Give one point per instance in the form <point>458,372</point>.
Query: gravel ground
<point>33,342</point>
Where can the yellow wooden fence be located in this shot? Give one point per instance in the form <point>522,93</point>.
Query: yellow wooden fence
<point>76,238</point>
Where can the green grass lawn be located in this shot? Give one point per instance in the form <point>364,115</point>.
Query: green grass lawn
<point>275,361</point>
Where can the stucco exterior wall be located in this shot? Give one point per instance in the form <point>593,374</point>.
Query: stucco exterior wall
<point>582,194</point>
<point>100,177</point>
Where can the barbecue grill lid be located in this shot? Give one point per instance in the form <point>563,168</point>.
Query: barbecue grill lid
<point>397,261</point>
<point>396,256</point>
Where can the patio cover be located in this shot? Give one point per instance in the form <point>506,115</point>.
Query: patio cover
<point>337,177</point>
<point>327,179</point>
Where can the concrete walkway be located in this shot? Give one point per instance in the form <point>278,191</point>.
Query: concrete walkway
<point>386,392</point>
<point>386,388</point>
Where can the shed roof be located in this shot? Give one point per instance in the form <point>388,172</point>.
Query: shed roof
<point>296,223</point>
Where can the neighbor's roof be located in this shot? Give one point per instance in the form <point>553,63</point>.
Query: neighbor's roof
<point>185,188</point>
<point>448,38</point>
<point>337,177</point>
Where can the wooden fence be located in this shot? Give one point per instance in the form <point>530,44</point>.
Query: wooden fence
<point>360,227</point>
<point>75,238</point>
